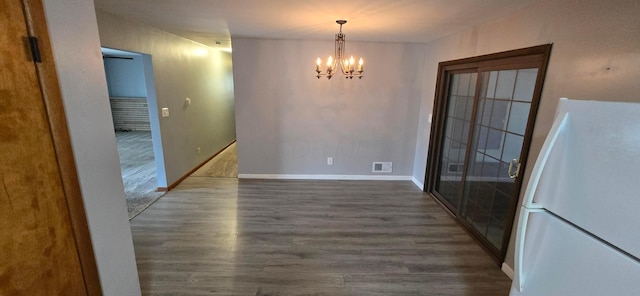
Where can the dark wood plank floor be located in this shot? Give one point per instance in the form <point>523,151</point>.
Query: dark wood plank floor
<point>274,237</point>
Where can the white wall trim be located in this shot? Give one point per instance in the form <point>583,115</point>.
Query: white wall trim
<point>418,183</point>
<point>507,270</point>
<point>324,177</point>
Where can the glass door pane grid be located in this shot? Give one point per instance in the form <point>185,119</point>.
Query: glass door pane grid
<point>487,185</point>
<point>459,112</point>
<point>473,207</point>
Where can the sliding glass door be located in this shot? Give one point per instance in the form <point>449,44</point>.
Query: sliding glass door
<point>481,137</point>
<point>460,103</point>
<point>502,115</point>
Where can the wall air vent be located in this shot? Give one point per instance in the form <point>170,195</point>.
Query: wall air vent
<point>382,167</point>
<point>455,168</point>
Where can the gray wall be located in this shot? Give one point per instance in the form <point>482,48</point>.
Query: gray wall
<point>125,78</point>
<point>181,69</point>
<point>76,49</point>
<point>289,122</point>
<point>595,56</point>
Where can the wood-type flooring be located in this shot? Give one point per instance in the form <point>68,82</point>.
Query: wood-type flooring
<point>223,165</point>
<point>222,236</point>
<point>138,169</point>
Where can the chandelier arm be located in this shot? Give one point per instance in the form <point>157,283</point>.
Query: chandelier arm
<point>340,46</point>
<point>337,52</point>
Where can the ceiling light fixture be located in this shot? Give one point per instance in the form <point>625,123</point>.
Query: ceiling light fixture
<point>346,66</point>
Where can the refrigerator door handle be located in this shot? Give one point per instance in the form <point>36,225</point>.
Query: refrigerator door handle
<point>515,174</point>
<point>556,129</point>
<point>519,280</point>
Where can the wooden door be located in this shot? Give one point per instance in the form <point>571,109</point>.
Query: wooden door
<point>44,239</point>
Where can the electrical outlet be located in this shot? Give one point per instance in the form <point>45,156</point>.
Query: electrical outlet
<point>165,112</point>
<point>329,160</point>
<point>199,151</point>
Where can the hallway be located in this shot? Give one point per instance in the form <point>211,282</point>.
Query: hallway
<point>223,165</point>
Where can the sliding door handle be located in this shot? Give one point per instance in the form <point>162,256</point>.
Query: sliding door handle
<point>514,174</point>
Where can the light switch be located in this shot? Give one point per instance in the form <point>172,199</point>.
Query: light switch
<point>165,112</point>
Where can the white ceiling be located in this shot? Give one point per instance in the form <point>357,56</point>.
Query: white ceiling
<point>208,21</point>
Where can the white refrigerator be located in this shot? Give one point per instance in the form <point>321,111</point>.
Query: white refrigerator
<point>579,225</point>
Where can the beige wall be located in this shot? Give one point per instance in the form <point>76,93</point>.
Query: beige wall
<point>76,50</point>
<point>181,69</point>
<point>289,122</point>
<point>595,56</point>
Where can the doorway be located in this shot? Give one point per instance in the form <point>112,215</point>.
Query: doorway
<point>484,114</point>
<point>137,128</point>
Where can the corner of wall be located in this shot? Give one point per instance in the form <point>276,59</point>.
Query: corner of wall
<point>76,50</point>
<point>507,270</point>
<point>418,183</point>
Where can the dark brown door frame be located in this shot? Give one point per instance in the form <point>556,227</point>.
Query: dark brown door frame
<point>508,59</point>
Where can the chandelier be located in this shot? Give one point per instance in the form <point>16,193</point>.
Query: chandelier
<point>346,66</point>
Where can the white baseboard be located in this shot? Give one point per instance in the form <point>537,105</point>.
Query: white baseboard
<point>324,177</point>
<point>418,183</point>
<point>507,270</point>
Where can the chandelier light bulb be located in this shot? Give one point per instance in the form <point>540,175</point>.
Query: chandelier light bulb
<point>330,62</point>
